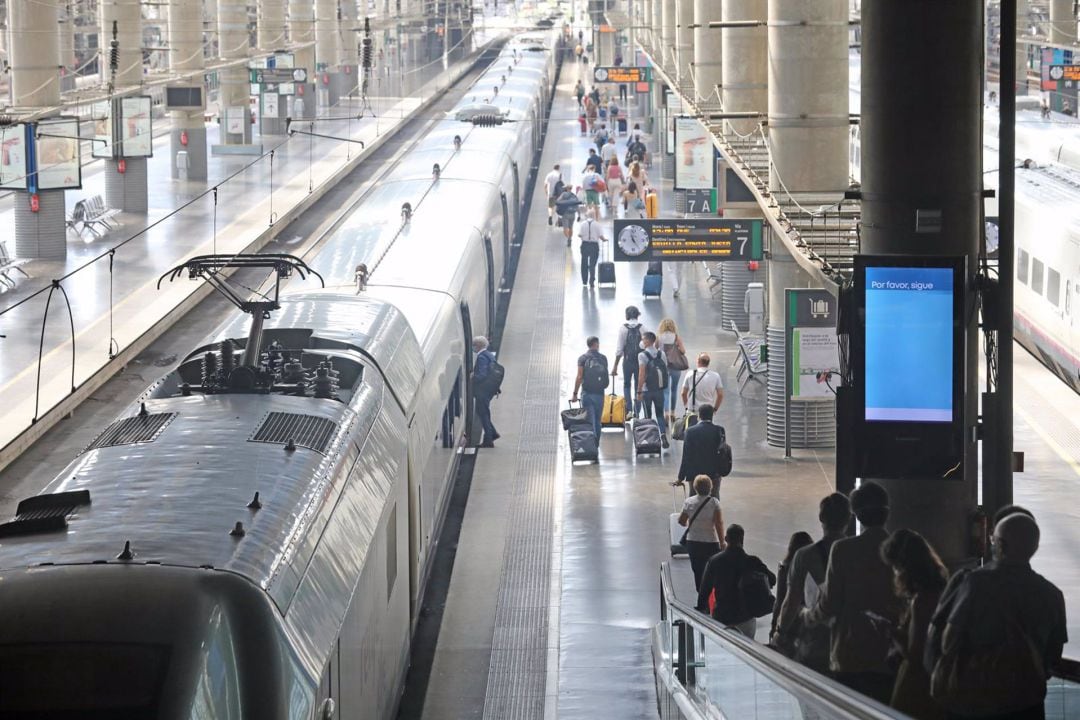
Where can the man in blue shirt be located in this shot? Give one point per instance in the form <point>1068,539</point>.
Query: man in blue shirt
<point>592,379</point>
<point>481,394</point>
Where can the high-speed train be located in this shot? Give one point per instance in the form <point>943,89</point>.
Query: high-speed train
<point>253,539</point>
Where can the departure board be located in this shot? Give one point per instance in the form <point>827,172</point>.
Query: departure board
<point>621,74</point>
<point>673,239</point>
<point>1068,73</point>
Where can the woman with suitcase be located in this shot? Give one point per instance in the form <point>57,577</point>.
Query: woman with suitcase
<point>704,522</point>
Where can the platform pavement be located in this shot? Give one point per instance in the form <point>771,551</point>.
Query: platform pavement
<point>303,168</point>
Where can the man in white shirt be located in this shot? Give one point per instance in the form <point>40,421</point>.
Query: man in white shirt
<point>702,385</point>
<point>591,234</point>
<point>550,181</point>
<point>608,151</point>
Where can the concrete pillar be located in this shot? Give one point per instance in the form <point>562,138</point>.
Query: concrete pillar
<point>684,42</point>
<point>349,44</point>
<point>1021,48</point>
<point>233,96</point>
<point>327,48</point>
<point>745,58</point>
<point>302,31</point>
<point>67,47</point>
<point>186,57</point>
<point>271,25</point>
<point>944,175</point>
<point>35,82</point>
<point>1062,22</point>
<point>667,33</point>
<point>124,190</point>
<point>657,28</point>
<point>708,51</point>
<point>808,95</point>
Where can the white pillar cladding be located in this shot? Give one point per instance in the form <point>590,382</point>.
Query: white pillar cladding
<point>302,32</point>
<point>349,47</point>
<point>35,82</point>
<point>744,87</point>
<point>271,25</point>
<point>67,46</point>
<point>327,48</point>
<point>1062,22</point>
<point>684,41</point>
<point>657,24</point>
<point>808,95</point>
<point>707,50</point>
<point>233,44</point>
<point>186,57</point>
<point>123,190</point>
<point>667,33</point>
<point>1021,48</point>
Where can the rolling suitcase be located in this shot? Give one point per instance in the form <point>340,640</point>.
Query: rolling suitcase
<point>677,530</point>
<point>622,125</point>
<point>574,416</point>
<point>646,436</point>
<point>614,414</point>
<point>652,285</point>
<point>652,205</point>
<point>656,267</point>
<point>605,271</point>
<point>583,445</point>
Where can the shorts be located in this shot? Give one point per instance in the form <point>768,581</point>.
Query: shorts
<point>551,202</point>
<point>592,197</point>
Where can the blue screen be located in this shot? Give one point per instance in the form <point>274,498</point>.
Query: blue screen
<point>909,344</point>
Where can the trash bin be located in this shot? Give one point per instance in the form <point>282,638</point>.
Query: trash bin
<point>183,162</point>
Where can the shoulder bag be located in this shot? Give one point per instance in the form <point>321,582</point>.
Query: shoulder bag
<point>676,358</point>
<point>708,499</point>
<point>689,418</point>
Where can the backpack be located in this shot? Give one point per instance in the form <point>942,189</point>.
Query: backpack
<point>632,346</point>
<point>559,187</point>
<point>656,377</point>
<point>492,383</point>
<point>724,458</point>
<point>594,377</point>
<point>755,594</point>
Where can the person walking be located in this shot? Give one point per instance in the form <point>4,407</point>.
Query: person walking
<point>579,93</point>
<point>810,644</point>
<point>614,182</point>
<point>704,522</point>
<point>858,585</point>
<point>481,394</point>
<point>700,454</point>
<point>593,163</point>
<point>1005,625</point>
<point>591,112</point>
<point>702,385</point>
<point>592,379</point>
<point>591,234</point>
<point>652,382</point>
<point>920,578</point>
<point>796,542</point>
<point>553,184</point>
<point>609,152</point>
<point>675,354</point>
<point>628,345</point>
<point>728,575</point>
<point>566,206</point>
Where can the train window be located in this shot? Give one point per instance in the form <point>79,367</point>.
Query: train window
<point>1037,275</point>
<point>115,680</point>
<point>1053,285</point>
<point>1022,266</point>
<point>391,552</point>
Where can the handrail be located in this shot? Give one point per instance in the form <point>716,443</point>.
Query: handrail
<point>801,682</point>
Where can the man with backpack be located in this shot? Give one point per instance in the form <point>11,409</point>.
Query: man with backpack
<point>592,379</point>
<point>742,584</point>
<point>653,380</point>
<point>487,382</point>
<point>553,184</point>
<point>627,347</point>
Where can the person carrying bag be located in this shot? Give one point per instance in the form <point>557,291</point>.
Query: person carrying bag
<point>689,418</point>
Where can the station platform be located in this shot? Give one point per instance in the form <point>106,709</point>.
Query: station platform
<point>555,589</point>
<point>111,281</point>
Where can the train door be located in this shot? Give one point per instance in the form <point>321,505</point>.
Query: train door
<point>489,256</point>
<point>517,201</point>
<point>506,227</point>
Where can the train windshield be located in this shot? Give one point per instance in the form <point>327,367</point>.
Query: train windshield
<point>87,681</point>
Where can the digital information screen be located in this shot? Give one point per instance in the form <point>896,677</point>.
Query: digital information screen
<point>909,344</point>
<point>621,74</point>
<point>690,239</point>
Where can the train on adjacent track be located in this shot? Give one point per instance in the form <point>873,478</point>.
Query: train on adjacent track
<point>253,537</point>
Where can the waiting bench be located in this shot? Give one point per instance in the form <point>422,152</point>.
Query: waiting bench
<point>93,214</point>
<point>9,265</point>
<point>751,366</point>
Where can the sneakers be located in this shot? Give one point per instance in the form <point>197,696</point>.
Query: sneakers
<point>550,221</point>
<point>664,442</point>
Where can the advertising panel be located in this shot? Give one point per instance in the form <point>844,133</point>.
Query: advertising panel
<point>815,363</point>
<point>13,157</point>
<point>269,105</point>
<point>136,129</point>
<point>695,168</point>
<point>687,239</point>
<point>102,146</point>
<point>57,152</point>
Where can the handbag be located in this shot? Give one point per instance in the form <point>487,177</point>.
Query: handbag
<point>689,418</point>
<point>574,416</point>
<point>676,358</point>
<point>682,540</point>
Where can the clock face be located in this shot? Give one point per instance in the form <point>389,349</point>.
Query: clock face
<point>600,74</point>
<point>633,240</point>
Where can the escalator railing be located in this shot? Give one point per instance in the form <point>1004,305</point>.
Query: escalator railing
<point>704,670</point>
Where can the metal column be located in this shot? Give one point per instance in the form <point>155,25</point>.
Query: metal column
<point>914,160</point>
<point>667,33</point>
<point>708,50</point>
<point>327,49</point>
<point>348,44</point>
<point>1062,22</point>
<point>745,63</point>
<point>186,58</point>
<point>233,97</point>
<point>302,32</point>
<point>657,29</point>
<point>124,190</point>
<point>67,47</point>
<point>34,46</point>
<point>684,42</point>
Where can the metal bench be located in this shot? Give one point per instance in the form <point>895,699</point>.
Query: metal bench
<point>9,265</point>
<point>751,366</point>
<point>93,214</point>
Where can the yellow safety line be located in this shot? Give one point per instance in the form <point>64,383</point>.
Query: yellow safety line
<point>1054,445</point>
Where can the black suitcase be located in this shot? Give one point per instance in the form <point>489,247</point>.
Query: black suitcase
<point>605,271</point>
<point>583,445</point>
<point>646,436</point>
<point>622,126</point>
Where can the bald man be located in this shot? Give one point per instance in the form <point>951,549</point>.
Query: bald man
<point>1003,609</point>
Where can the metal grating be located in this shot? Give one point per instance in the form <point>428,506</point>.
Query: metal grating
<point>310,431</point>
<point>132,430</point>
